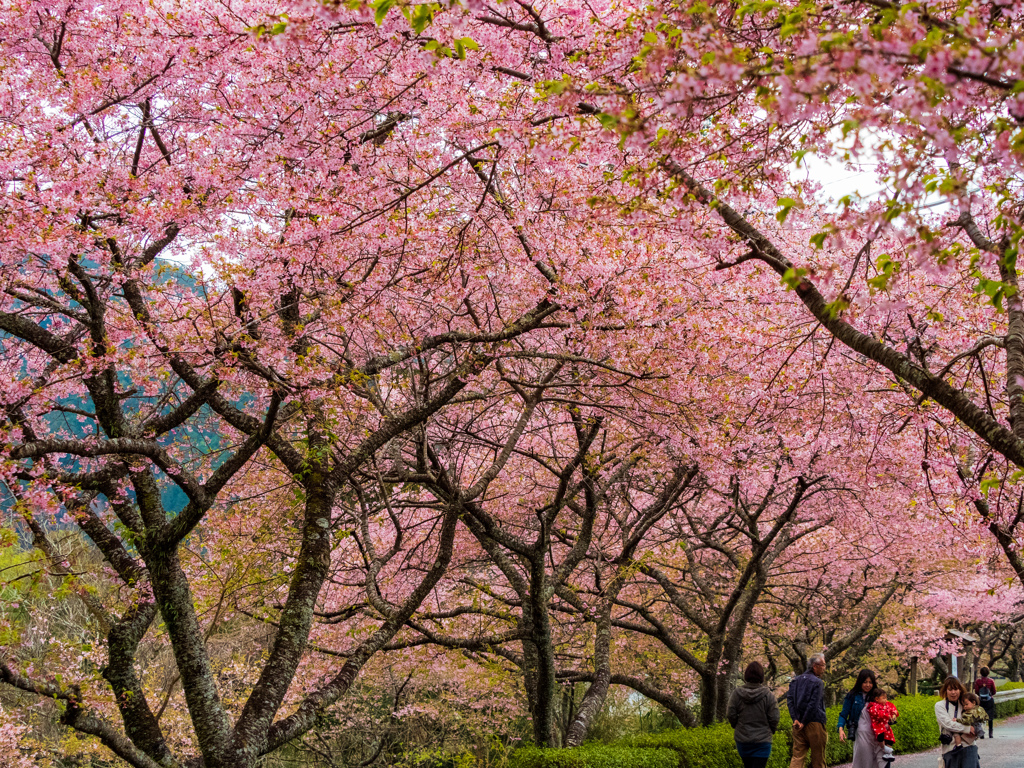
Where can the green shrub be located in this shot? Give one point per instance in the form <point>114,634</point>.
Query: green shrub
<point>695,747</point>
<point>915,729</point>
<point>838,752</point>
<point>782,744</point>
<point>594,756</point>
<point>711,747</point>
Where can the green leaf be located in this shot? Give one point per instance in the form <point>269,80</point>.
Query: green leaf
<point>786,204</point>
<point>552,87</point>
<point>381,8</point>
<point>994,289</point>
<point>422,17</point>
<point>835,308</point>
<point>793,277</point>
<point>462,44</point>
<point>989,482</point>
<point>611,122</point>
<point>887,268</point>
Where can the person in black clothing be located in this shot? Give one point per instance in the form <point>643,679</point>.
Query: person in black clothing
<point>806,701</point>
<point>985,688</point>
<point>754,714</point>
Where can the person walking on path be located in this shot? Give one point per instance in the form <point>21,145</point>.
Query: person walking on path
<point>948,709</point>
<point>985,687</point>
<point>867,752</point>
<point>754,714</point>
<point>806,701</point>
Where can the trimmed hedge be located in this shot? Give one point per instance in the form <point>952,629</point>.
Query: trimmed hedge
<point>595,756</point>
<point>696,747</point>
<point>1010,708</point>
<point>714,747</point>
<point>915,729</point>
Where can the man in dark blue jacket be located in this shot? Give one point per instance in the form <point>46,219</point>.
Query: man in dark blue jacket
<point>806,700</point>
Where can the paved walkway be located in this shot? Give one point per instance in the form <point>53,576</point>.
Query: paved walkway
<point>1005,750</point>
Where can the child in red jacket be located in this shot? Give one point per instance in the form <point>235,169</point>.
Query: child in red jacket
<point>882,713</point>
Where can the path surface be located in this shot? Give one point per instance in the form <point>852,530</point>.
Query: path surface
<point>1005,750</point>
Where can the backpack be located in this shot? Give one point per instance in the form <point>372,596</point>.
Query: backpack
<point>985,694</point>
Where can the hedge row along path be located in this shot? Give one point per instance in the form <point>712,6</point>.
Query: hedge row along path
<point>1002,751</point>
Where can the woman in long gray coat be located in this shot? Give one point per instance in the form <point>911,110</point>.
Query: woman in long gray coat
<point>754,714</point>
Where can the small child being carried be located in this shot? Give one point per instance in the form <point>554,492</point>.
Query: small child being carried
<point>974,715</point>
<point>882,713</point>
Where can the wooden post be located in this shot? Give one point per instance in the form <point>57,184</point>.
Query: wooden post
<point>912,680</point>
<point>967,678</point>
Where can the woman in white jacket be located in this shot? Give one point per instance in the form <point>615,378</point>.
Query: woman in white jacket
<point>947,709</point>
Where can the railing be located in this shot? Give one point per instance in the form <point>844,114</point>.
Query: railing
<point>1011,695</point>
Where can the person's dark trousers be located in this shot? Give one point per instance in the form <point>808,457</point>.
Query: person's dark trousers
<point>754,754</point>
<point>990,710</point>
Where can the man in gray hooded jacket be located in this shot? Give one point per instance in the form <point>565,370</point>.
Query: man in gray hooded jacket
<point>754,715</point>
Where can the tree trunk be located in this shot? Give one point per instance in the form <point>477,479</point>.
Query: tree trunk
<point>708,695</point>
<point>727,680</point>
<point>544,723</point>
<point>530,665</point>
<point>1013,665</point>
<point>593,701</point>
<point>730,672</point>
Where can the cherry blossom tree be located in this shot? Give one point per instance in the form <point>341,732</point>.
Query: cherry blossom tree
<point>313,325</point>
<point>726,113</point>
<point>725,567</point>
<point>322,320</point>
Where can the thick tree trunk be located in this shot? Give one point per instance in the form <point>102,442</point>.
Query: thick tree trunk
<point>140,725</point>
<point>709,693</point>
<point>726,682</point>
<point>593,701</point>
<point>311,570</point>
<point>177,608</point>
<point>731,662</point>
<point>1014,341</point>
<point>545,731</point>
<point>1013,665</point>
<point>304,718</point>
<point>529,668</point>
